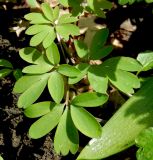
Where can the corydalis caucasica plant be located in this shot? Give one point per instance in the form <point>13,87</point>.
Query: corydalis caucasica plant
<point>66,110</point>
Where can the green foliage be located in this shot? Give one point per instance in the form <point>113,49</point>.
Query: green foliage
<point>54,66</point>
<point>145,143</point>
<point>6,68</point>
<point>120,131</point>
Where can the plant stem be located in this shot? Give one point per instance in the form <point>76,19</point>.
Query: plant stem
<point>62,49</point>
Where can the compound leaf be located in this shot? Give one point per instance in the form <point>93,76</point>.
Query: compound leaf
<point>66,18</point>
<point>85,122</point>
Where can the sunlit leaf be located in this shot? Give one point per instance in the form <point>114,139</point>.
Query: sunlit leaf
<point>81,48</point>
<point>32,93</point>
<point>56,86</point>
<point>28,81</point>
<point>146,59</point>
<point>5,63</point>
<point>31,55</point>
<point>37,28</point>
<point>83,68</point>
<point>124,81</point>
<point>39,109</point>
<point>66,18</point>
<point>66,137</point>
<point>38,38</point>
<point>53,54</point>
<point>89,99</point>
<point>56,12</point>
<point>97,79</point>
<point>46,123</point>
<point>49,39</point>
<point>37,69</point>
<point>36,18</point>
<point>66,30</point>
<point>48,11</point>
<point>68,70</point>
<point>124,63</point>
<point>85,122</point>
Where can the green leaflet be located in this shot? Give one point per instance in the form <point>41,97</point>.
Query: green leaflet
<point>101,53</point>
<point>66,18</point>
<point>56,12</point>
<point>36,18</point>
<point>17,74</point>
<point>120,131</point>
<point>89,99</point>
<point>85,122</point>
<point>98,41</point>
<point>28,81</point>
<point>124,81</point>
<point>5,72</point>
<point>124,63</point>
<point>53,54</point>
<point>39,109</point>
<point>97,79</point>
<point>65,30</point>
<point>37,69</point>
<point>5,63</point>
<point>49,39</point>
<point>56,86</point>
<point>33,92</point>
<point>37,28</point>
<point>145,143</point>
<point>83,68</point>
<point>46,123</point>
<point>32,3</point>
<point>68,70</point>
<point>31,55</point>
<point>81,48</point>
<point>66,137</point>
<point>38,38</point>
<point>48,11</point>
<point>146,59</point>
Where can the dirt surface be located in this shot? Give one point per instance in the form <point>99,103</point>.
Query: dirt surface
<point>14,141</point>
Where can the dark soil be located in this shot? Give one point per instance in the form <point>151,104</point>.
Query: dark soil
<point>14,141</point>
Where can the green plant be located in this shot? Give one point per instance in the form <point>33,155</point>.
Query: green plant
<point>7,68</point>
<point>62,76</point>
